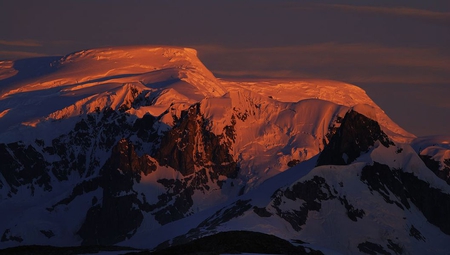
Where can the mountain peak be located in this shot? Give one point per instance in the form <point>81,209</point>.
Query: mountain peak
<point>102,65</point>
<point>142,146</point>
<point>86,80</point>
<point>355,136</point>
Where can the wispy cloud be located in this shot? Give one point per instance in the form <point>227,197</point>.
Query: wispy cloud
<point>397,11</point>
<point>21,43</point>
<point>355,62</point>
<point>12,55</point>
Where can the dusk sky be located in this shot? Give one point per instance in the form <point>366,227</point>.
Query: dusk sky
<point>398,51</point>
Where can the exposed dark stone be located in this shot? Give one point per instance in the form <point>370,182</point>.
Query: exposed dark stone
<point>230,131</point>
<point>262,212</point>
<point>23,165</point>
<point>332,129</point>
<point>241,191</point>
<point>293,162</point>
<point>190,143</point>
<point>125,158</point>
<point>352,212</point>
<point>48,233</point>
<point>111,222</point>
<point>118,216</point>
<point>181,205</point>
<point>414,232</point>
<point>94,200</point>
<point>144,129</point>
<point>394,247</point>
<point>355,136</point>
<point>312,192</point>
<point>77,149</point>
<point>8,237</point>
<point>432,202</point>
<point>220,217</point>
<point>435,167</point>
<point>80,189</point>
<point>200,180</point>
<point>180,191</point>
<point>382,179</point>
<point>224,215</point>
<point>372,248</point>
<point>241,115</point>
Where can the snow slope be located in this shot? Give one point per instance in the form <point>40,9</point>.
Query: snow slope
<point>383,202</point>
<point>277,122</point>
<point>151,129</point>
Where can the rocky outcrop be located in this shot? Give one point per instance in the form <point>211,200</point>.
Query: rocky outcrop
<point>308,196</point>
<point>356,134</point>
<point>23,165</point>
<point>120,212</point>
<point>191,145</point>
<point>408,189</point>
<point>435,166</point>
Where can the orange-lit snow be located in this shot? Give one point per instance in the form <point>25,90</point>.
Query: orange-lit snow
<point>276,121</point>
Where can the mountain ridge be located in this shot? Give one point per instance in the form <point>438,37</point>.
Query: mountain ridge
<point>133,142</point>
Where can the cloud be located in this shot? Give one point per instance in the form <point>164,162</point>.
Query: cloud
<point>396,11</point>
<point>21,43</point>
<point>12,55</point>
<point>351,62</point>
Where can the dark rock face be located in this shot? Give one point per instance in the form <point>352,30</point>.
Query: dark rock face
<point>71,153</point>
<point>80,189</point>
<point>48,233</point>
<point>262,212</point>
<point>191,144</point>
<point>312,192</point>
<point>382,179</point>
<point>434,204</point>
<point>120,213</point>
<point>372,248</point>
<point>7,236</point>
<point>74,152</point>
<point>355,136</point>
<point>406,188</point>
<point>112,222</point>
<point>210,224</point>
<point>180,192</point>
<point>23,165</point>
<point>435,167</point>
<point>352,212</point>
<point>226,214</point>
<point>125,158</point>
<point>414,232</point>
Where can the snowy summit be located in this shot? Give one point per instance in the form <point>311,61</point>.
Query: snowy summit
<point>143,147</point>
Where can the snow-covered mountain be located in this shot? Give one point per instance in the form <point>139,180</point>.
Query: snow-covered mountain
<point>144,147</point>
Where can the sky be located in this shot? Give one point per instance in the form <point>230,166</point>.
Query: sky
<point>398,51</point>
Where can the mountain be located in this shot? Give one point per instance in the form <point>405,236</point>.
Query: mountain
<point>143,147</point>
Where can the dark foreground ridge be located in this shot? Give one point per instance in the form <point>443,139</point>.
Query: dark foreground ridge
<point>52,250</point>
<point>236,242</point>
